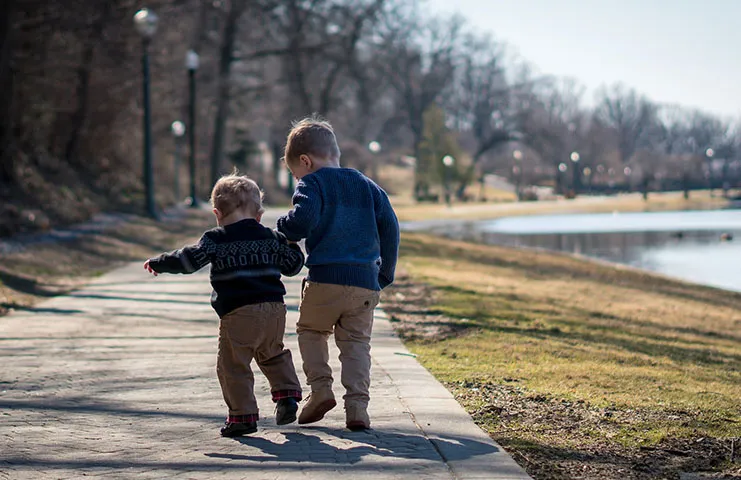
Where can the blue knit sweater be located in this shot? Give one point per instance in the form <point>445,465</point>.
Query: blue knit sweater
<point>351,230</point>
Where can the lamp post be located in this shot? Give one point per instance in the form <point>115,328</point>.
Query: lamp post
<point>191,62</point>
<point>588,175</point>
<point>575,171</point>
<point>374,147</point>
<point>709,153</point>
<point>448,161</point>
<point>517,172</point>
<point>178,130</point>
<point>562,168</point>
<point>145,22</point>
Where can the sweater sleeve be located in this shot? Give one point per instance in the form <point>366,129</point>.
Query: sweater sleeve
<point>388,234</point>
<point>291,256</point>
<point>307,207</point>
<point>188,259</point>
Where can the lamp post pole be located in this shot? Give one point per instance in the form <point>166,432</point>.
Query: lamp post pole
<point>575,159</point>
<point>178,130</point>
<point>192,62</point>
<point>709,153</point>
<point>145,22</point>
<point>517,172</point>
<point>448,162</point>
<point>374,148</point>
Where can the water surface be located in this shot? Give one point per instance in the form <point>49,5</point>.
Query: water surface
<point>698,246</point>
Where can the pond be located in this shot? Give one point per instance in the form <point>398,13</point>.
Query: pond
<point>698,246</point>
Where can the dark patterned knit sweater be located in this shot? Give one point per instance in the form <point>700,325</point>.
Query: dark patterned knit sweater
<point>247,260</point>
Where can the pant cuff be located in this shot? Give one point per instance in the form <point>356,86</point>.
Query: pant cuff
<point>252,417</point>
<point>281,394</point>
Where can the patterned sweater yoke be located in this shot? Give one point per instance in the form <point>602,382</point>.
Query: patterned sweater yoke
<point>247,260</point>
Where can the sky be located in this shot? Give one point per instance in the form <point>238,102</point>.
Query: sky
<point>685,52</point>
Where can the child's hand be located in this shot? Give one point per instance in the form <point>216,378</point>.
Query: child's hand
<point>148,268</point>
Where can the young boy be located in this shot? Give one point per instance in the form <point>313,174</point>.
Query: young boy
<point>247,260</point>
<point>352,241</point>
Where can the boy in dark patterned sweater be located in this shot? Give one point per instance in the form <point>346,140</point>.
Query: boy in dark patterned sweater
<point>247,260</point>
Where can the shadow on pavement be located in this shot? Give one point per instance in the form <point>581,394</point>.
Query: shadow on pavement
<point>134,299</point>
<point>304,447</point>
<point>25,308</point>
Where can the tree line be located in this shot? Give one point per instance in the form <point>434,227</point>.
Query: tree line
<point>384,71</point>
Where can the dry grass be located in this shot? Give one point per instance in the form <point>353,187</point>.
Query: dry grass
<point>407,210</point>
<point>640,360</point>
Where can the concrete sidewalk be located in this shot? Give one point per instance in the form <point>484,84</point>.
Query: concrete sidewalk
<point>118,380</point>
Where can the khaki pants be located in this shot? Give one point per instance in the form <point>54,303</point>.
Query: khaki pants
<point>254,331</point>
<point>348,313</point>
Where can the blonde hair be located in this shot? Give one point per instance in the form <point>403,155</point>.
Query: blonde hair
<point>311,136</point>
<point>233,192</point>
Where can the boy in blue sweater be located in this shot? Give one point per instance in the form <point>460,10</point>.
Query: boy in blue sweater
<point>247,260</point>
<point>352,242</point>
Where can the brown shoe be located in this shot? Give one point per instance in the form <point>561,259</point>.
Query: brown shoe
<point>356,417</point>
<point>317,405</point>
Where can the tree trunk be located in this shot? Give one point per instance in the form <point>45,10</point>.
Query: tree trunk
<point>226,59</point>
<point>84,73</point>
<point>466,180</point>
<point>6,92</point>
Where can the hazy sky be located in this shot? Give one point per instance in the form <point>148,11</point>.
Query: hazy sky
<point>676,51</point>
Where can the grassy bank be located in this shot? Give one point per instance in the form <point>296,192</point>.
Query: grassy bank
<point>44,269</point>
<point>578,368</point>
<point>407,210</point>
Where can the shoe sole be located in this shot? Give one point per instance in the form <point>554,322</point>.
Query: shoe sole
<point>321,410</point>
<point>239,433</point>
<point>358,426</point>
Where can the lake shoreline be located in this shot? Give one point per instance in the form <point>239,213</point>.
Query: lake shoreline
<point>693,246</point>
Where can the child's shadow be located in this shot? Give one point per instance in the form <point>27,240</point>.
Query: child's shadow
<point>302,447</point>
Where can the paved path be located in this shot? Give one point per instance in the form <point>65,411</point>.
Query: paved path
<point>117,380</point>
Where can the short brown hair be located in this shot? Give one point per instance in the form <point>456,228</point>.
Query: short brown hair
<point>311,136</point>
<point>234,191</point>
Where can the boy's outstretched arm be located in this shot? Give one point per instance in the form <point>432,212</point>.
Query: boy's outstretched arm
<point>307,206</point>
<point>291,256</point>
<point>185,260</point>
<point>388,234</point>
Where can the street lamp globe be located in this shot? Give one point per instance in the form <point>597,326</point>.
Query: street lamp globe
<point>710,152</point>
<point>178,128</point>
<point>562,167</point>
<point>627,171</point>
<point>191,60</point>
<point>374,147</point>
<point>448,161</point>
<point>145,21</point>
<point>517,154</point>
<point>574,157</point>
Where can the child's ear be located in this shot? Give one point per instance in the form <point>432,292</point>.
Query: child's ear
<point>306,161</point>
<point>217,213</point>
<point>258,217</point>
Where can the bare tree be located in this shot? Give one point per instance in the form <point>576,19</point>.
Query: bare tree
<point>553,121</point>
<point>226,59</point>
<point>420,62</point>
<point>631,116</point>
<point>482,102</point>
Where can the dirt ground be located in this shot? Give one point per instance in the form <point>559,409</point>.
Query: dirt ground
<point>36,267</point>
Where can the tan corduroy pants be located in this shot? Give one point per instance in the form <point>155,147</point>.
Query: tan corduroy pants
<point>253,332</point>
<point>348,313</point>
